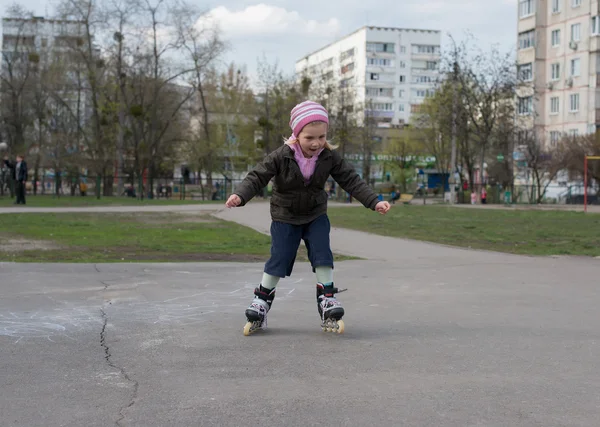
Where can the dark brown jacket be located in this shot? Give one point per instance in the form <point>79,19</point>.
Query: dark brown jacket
<point>294,201</point>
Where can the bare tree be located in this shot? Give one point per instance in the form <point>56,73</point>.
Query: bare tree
<point>545,162</point>
<point>486,81</point>
<point>203,45</point>
<point>20,63</point>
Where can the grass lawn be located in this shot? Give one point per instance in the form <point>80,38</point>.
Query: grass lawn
<point>518,232</point>
<point>139,237</point>
<point>76,201</point>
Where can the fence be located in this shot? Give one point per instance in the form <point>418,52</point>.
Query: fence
<point>529,194</point>
<point>98,186</point>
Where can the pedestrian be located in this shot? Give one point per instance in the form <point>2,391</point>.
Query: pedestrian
<point>19,173</point>
<point>300,168</point>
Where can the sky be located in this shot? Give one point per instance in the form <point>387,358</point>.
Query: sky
<point>284,30</point>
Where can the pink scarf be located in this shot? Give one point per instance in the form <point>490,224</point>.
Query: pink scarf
<point>307,165</point>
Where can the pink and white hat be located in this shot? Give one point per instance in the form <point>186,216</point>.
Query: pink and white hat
<point>305,113</point>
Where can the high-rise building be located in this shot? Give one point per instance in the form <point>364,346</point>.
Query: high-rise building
<point>391,70</point>
<point>558,59</point>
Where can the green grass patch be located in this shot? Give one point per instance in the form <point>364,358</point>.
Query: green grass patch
<point>139,237</point>
<point>78,201</point>
<point>518,232</point>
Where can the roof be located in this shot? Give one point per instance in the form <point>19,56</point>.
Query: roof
<point>370,27</point>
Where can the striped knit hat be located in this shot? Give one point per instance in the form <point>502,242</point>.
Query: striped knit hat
<point>305,113</point>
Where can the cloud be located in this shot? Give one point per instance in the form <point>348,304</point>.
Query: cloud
<point>263,19</point>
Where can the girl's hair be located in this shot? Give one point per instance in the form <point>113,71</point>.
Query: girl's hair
<point>328,145</point>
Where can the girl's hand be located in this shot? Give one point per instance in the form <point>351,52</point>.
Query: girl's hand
<point>382,207</point>
<point>233,201</point>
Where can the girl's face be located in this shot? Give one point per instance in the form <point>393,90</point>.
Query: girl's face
<point>312,138</point>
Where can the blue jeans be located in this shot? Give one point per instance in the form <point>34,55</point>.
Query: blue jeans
<point>285,240</point>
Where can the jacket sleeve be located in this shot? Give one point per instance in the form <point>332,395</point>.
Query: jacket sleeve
<point>345,175</point>
<point>258,178</point>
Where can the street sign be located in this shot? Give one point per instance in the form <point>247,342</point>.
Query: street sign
<point>500,157</point>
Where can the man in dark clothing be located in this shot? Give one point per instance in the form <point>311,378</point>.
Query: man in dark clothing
<point>19,174</point>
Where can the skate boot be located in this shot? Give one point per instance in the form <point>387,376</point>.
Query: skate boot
<point>330,309</point>
<point>257,312</point>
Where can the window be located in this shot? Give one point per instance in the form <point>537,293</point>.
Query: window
<point>380,47</point>
<point>44,42</point>
<point>526,72</point>
<point>575,3</point>
<point>383,106</point>
<point>596,25</point>
<point>555,38</point>
<point>401,94</point>
<point>554,137</point>
<point>526,39</point>
<point>554,105</point>
<point>525,8</point>
<point>525,106</point>
<point>555,6</point>
<point>402,49</point>
<point>574,102</point>
<point>573,132</point>
<point>380,91</point>
<point>421,48</point>
<point>423,93</point>
<point>402,64</point>
<point>402,79</point>
<point>347,68</point>
<point>575,67</point>
<point>576,32</point>
<point>381,62</point>
<point>374,76</point>
<point>555,71</point>
<point>401,107</point>
<point>347,54</point>
<point>431,65</point>
<point>422,79</point>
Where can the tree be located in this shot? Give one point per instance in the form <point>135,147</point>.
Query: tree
<point>576,149</point>
<point>543,161</point>
<point>485,81</point>
<point>203,46</point>
<point>405,147</point>
<point>20,62</point>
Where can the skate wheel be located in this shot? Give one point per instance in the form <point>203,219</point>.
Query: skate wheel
<point>340,328</point>
<point>247,328</point>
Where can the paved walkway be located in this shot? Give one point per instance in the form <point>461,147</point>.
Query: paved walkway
<point>435,336</point>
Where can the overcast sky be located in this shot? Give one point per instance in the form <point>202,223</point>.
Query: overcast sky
<point>286,30</point>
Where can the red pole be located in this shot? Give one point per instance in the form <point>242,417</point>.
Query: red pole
<point>585,184</point>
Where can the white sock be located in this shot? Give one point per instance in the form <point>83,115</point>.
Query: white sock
<point>268,281</point>
<point>324,274</point>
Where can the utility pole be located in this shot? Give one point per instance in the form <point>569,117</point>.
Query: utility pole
<point>451,179</point>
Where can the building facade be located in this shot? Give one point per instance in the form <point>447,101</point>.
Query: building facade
<point>558,63</point>
<point>390,71</point>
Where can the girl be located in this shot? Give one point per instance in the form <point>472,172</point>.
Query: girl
<point>300,169</point>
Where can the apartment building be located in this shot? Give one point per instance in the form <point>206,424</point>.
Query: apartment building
<point>30,44</point>
<point>558,45</point>
<point>390,70</point>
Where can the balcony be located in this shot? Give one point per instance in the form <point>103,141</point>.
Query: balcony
<point>379,114</point>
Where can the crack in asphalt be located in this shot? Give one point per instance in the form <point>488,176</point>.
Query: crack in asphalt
<point>110,362</point>
<point>109,359</point>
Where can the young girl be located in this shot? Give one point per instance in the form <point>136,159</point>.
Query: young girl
<point>300,169</point>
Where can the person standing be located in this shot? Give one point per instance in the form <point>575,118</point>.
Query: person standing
<point>19,173</point>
